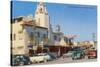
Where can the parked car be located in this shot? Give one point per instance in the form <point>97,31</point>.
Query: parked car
<point>14,61</point>
<point>53,56</point>
<point>20,60</point>
<point>92,54</point>
<point>78,53</point>
<point>47,57</point>
<point>69,54</point>
<point>41,57</point>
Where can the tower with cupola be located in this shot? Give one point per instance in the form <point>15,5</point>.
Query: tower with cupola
<point>41,15</point>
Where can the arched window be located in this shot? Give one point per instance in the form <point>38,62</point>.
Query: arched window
<point>41,10</point>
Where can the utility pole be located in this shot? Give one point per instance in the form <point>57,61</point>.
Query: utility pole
<point>93,37</point>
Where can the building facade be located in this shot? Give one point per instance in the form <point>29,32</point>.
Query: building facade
<point>34,34</point>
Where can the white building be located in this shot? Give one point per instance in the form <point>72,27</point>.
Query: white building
<point>32,31</point>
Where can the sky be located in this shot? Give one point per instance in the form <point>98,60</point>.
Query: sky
<point>79,20</point>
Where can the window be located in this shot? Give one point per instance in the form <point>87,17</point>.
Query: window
<point>44,35</point>
<point>38,33</point>
<point>41,10</point>
<point>20,47</point>
<point>55,37</point>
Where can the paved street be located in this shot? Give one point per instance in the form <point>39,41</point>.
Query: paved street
<point>67,60</point>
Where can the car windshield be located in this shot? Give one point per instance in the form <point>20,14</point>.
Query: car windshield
<point>41,54</point>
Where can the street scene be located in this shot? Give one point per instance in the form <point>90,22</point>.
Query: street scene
<point>44,34</point>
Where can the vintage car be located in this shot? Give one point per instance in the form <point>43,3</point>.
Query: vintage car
<point>41,57</point>
<point>78,53</point>
<point>20,60</point>
<point>92,54</point>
